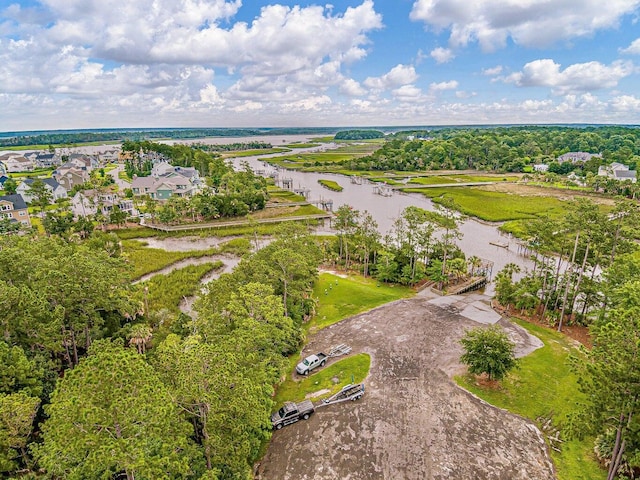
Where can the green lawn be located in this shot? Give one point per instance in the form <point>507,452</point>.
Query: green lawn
<point>349,296</point>
<point>353,369</point>
<point>544,386</point>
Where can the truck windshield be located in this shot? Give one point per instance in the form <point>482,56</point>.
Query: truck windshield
<point>281,412</point>
<point>306,362</point>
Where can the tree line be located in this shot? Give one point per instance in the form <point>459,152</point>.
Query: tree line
<point>586,272</point>
<point>502,149</point>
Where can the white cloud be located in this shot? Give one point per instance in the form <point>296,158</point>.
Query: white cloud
<point>397,76</point>
<point>352,88</point>
<point>633,49</point>
<point>439,87</point>
<point>408,93</point>
<point>579,77</point>
<point>490,72</point>
<point>491,22</point>
<point>626,103</point>
<point>462,94</point>
<point>442,55</point>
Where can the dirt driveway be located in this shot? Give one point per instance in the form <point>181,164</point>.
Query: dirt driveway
<point>413,422</point>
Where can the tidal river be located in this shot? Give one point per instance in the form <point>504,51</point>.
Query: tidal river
<point>477,237</point>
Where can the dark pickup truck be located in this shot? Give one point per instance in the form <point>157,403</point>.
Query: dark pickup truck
<point>292,412</point>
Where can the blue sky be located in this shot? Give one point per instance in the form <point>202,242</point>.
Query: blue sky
<point>216,63</point>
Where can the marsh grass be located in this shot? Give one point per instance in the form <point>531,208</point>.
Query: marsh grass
<point>167,291</point>
<point>495,206</point>
<point>331,185</point>
<point>147,260</point>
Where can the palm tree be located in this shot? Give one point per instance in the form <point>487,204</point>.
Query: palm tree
<point>140,336</point>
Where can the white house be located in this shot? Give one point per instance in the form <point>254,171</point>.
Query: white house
<point>57,190</point>
<point>617,171</point>
<point>541,167</point>
<point>16,163</point>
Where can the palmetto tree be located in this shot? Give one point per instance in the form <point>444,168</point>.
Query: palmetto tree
<point>140,336</point>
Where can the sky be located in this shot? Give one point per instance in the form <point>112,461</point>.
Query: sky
<point>67,64</point>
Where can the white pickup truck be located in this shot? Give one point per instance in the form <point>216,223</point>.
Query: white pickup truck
<point>311,362</point>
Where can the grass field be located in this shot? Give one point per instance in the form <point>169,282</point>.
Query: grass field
<point>353,369</point>
<point>544,386</point>
<point>349,296</point>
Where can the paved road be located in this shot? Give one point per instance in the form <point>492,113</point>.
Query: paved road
<point>413,423</point>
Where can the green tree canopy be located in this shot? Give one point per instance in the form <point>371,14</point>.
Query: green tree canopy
<point>488,350</point>
<point>111,416</point>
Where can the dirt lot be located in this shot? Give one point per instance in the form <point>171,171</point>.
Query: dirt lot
<point>413,422</point>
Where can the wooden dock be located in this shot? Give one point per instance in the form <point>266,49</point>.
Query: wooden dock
<point>470,285</point>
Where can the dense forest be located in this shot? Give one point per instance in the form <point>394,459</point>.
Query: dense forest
<point>94,385</point>
<point>501,149</point>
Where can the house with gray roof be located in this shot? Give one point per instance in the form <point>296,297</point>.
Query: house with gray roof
<point>575,157</point>
<point>57,190</point>
<point>14,208</point>
<point>617,171</point>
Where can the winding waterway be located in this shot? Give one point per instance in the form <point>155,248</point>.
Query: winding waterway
<point>477,237</point>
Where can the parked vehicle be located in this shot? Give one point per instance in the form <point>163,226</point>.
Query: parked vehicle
<point>292,412</point>
<point>311,362</point>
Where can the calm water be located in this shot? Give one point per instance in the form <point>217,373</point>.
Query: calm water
<point>476,235</point>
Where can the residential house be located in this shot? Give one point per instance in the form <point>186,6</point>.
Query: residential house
<point>179,181</point>
<point>109,156</point>
<point>3,178</point>
<point>617,171</point>
<point>57,190</point>
<point>14,208</point>
<point>80,160</point>
<point>47,160</point>
<point>69,176</point>
<point>575,157</point>
<point>90,202</point>
<point>14,162</point>
<point>541,167</point>
<point>3,170</point>
<point>165,168</point>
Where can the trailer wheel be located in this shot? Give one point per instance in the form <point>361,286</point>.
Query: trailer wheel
<point>279,426</point>
<point>305,416</point>
<point>357,397</point>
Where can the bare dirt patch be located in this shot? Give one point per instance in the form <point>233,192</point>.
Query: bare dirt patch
<point>413,422</point>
